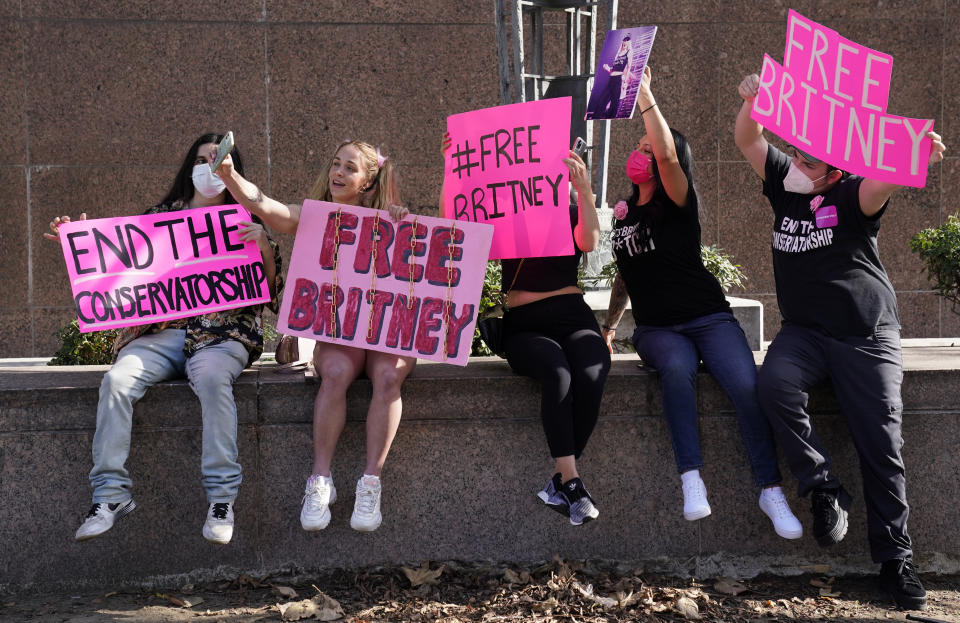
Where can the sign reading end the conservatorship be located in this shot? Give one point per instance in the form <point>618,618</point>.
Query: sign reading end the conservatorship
<point>136,270</point>
<point>359,278</point>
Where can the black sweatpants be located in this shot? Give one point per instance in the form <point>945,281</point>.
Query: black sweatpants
<point>557,342</point>
<point>866,373</point>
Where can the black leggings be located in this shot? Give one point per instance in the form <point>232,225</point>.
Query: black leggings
<point>557,342</point>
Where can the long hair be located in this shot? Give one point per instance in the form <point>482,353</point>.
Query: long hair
<point>652,212</point>
<point>381,191</point>
<point>183,183</point>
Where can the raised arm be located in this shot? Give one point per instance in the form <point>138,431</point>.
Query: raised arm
<point>874,193</point>
<point>587,231</point>
<point>282,217</point>
<point>661,141</point>
<point>748,134</point>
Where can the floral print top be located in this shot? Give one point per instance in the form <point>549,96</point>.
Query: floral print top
<point>244,324</point>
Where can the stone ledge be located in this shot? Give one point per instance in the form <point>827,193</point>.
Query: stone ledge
<point>459,484</point>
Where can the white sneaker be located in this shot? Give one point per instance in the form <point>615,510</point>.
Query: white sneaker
<point>101,518</point>
<point>218,528</point>
<point>366,509</point>
<point>695,505</point>
<point>317,498</point>
<point>775,505</point>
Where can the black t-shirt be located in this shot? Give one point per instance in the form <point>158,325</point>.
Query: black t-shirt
<point>826,264</point>
<point>661,266</point>
<point>544,274</point>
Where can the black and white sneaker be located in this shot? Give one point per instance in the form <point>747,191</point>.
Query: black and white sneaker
<point>101,518</point>
<point>829,510</point>
<point>218,528</point>
<point>898,577</point>
<point>550,495</point>
<point>580,503</point>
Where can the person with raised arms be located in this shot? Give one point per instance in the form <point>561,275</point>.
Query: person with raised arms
<point>840,322</point>
<point>211,350</point>
<point>359,175</point>
<point>682,315</point>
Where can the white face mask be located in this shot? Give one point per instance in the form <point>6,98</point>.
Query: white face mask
<point>796,182</point>
<point>206,183</point>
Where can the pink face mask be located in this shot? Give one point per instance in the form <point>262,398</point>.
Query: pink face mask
<point>638,167</point>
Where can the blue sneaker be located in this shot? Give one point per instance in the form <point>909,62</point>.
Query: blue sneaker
<point>580,503</point>
<point>551,496</point>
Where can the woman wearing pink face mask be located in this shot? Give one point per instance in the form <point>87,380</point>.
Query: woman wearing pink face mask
<point>682,315</point>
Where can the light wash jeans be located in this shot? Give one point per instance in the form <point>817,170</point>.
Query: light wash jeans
<point>151,359</point>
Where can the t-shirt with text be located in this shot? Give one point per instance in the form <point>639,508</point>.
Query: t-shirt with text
<point>825,259</point>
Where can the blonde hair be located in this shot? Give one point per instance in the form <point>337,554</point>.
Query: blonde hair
<point>381,191</point>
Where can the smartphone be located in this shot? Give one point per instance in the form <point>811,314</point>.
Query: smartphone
<point>579,146</point>
<point>225,147</point>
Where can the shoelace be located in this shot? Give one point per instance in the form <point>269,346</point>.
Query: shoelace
<point>823,512</point>
<point>220,510</point>
<point>366,499</point>
<point>94,510</point>
<point>312,494</point>
<point>908,572</point>
<point>780,506</point>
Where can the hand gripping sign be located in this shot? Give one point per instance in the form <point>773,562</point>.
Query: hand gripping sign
<point>505,168</point>
<point>410,288</point>
<point>137,270</point>
<point>829,99</point>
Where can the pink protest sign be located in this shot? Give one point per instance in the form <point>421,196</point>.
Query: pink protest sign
<point>830,64</point>
<point>410,288</point>
<point>137,270</point>
<point>505,168</point>
<point>862,141</point>
<point>829,99</point>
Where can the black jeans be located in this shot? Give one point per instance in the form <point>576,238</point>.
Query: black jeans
<point>866,373</point>
<point>557,342</point>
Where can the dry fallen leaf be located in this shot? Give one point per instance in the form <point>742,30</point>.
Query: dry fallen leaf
<point>422,575</point>
<point>587,591</point>
<point>285,591</point>
<point>192,601</point>
<point>822,582</point>
<point>688,608</point>
<point>818,569</point>
<point>321,607</point>
<point>827,592</point>
<point>728,586</point>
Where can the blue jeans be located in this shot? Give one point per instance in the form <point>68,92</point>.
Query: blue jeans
<point>151,359</point>
<point>675,351</point>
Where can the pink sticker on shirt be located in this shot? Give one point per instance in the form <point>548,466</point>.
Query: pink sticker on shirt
<point>827,217</point>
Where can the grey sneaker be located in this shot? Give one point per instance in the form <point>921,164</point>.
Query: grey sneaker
<point>580,503</point>
<point>101,518</point>
<point>550,495</point>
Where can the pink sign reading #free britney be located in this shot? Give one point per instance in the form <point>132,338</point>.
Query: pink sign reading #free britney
<point>411,288</point>
<point>829,99</point>
<point>505,168</point>
<point>135,270</point>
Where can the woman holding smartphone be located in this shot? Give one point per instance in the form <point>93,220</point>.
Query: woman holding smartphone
<point>357,174</point>
<point>210,350</point>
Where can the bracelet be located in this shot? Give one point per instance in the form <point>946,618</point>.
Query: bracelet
<point>647,108</point>
<point>607,327</point>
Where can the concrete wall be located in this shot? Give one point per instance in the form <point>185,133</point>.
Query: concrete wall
<point>460,482</point>
<point>100,100</point>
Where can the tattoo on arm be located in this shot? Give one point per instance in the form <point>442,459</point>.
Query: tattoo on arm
<point>618,301</point>
<point>258,198</point>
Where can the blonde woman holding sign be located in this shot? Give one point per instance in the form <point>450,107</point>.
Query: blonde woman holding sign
<point>210,350</point>
<point>359,175</point>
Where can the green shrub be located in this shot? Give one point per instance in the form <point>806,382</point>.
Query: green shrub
<point>721,266</point>
<point>83,349</point>
<point>939,249</point>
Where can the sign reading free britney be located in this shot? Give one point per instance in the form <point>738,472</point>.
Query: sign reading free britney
<point>505,167</point>
<point>410,288</point>
<point>135,270</point>
<point>829,99</point>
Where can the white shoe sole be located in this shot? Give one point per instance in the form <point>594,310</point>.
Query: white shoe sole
<point>788,534</point>
<point>359,527</point>
<point>700,513</point>
<point>216,540</point>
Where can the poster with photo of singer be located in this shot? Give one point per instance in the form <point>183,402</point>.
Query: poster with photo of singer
<point>619,70</point>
